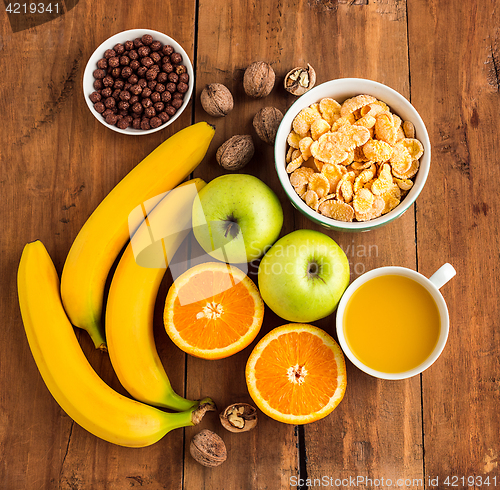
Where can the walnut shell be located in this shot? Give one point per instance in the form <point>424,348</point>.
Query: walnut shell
<point>239,417</point>
<point>217,100</point>
<point>266,123</point>
<point>208,449</point>
<point>236,152</point>
<point>258,80</point>
<point>299,80</point>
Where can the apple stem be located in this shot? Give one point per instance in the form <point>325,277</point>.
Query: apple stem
<point>231,227</point>
<point>228,229</point>
<point>313,270</point>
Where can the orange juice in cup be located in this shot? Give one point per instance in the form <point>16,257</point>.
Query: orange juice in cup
<point>393,322</point>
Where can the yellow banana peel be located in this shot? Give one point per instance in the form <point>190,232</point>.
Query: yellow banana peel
<point>132,297</point>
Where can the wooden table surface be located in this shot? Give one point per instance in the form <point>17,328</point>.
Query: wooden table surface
<point>58,162</point>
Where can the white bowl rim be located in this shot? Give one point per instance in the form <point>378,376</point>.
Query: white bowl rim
<point>425,282</point>
<point>123,36</point>
<point>309,98</point>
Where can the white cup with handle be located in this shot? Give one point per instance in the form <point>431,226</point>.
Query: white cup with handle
<point>432,285</point>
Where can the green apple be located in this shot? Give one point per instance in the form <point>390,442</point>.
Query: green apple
<point>236,218</point>
<point>303,276</point>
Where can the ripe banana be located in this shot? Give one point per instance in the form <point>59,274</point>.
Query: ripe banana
<point>132,297</point>
<point>106,231</point>
<point>77,388</point>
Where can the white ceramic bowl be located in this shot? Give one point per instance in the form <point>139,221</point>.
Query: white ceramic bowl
<point>121,37</point>
<point>340,90</point>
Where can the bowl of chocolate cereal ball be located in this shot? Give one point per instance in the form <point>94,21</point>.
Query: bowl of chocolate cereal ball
<point>138,81</point>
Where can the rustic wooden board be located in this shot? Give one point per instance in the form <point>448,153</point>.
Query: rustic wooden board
<point>58,163</point>
<point>459,98</point>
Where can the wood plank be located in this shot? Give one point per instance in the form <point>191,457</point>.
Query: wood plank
<point>396,406</point>
<point>458,98</point>
<point>229,40</point>
<point>58,163</point>
<point>376,430</point>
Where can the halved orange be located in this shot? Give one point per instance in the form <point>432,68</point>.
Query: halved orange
<point>296,374</point>
<point>213,310</point>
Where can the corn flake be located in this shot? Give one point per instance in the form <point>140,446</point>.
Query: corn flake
<point>384,127</point>
<point>372,110</point>
<point>334,174</point>
<point>336,210</point>
<point>414,147</point>
<point>311,199</point>
<point>383,182</point>
<point>301,189</point>
<point>400,158</point>
<point>377,151</point>
<point>362,201</point>
<point>404,184</point>
<point>301,176</point>
<point>355,103</point>
<point>305,147</point>
<point>392,198</point>
<point>409,129</point>
<point>294,164</point>
<point>353,136</point>
<point>319,183</point>
<point>329,148</point>
<point>375,211</point>
<point>366,121</point>
<point>293,140</point>
<point>330,110</point>
<point>345,188</point>
<point>411,172</point>
<point>318,128</point>
<point>303,120</point>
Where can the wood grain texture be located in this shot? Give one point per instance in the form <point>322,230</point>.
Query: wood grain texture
<point>229,40</point>
<point>58,163</point>
<point>459,102</point>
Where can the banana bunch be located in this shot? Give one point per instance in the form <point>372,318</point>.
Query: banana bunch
<point>80,392</point>
<point>46,304</point>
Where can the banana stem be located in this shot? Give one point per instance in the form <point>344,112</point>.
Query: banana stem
<point>206,405</point>
<point>188,417</point>
<point>97,337</point>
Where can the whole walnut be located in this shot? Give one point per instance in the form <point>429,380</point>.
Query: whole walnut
<point>217,100</point>
<point>258,80</point>
<point>208,449</point>
<point>236,152</point>
<point>266,123</point>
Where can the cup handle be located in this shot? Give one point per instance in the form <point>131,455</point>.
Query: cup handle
<point>443,275</point>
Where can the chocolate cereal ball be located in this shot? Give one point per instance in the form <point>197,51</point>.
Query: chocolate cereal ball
<point>139,83</point>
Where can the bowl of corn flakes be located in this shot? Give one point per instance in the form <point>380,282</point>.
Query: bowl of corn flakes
<point>352,154</point>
